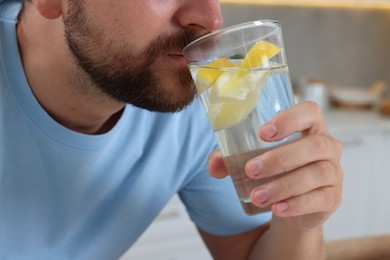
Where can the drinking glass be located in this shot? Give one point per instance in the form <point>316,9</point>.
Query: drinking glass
<point>242,78</point>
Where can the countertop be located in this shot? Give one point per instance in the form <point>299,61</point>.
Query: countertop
<point>341,121</point>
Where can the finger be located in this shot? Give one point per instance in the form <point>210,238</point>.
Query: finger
<point>294,155</point>
<point>216,166</point>
<point>306,117</point>
<point>298,182</point>
<point>325,199</point>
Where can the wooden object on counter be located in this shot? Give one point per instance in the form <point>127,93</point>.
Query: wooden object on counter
<point>357,97</point>
<point>384,107</point>
<point>350,106</point>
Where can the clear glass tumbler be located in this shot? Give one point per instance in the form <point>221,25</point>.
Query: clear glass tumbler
<point>242,77</point>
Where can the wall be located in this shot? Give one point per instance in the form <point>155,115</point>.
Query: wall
<point>349,46</point>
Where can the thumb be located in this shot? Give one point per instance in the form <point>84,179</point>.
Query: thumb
<point>216,166</point>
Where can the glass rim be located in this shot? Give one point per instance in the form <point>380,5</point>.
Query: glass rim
<point>233,28</point>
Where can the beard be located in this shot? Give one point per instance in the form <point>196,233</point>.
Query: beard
<point>119,71</point>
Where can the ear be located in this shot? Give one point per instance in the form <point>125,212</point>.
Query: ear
<point>50,9</point>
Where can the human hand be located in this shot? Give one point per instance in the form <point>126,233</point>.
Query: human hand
<point>311,191</point>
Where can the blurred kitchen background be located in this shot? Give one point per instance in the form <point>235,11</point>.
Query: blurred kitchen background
<point>338,53</point>
<point>343,42</point>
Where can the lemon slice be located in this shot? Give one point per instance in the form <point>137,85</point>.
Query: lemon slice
<point>260,53</point>
<point>230,85</point>
<point>237,86</point>
<point>233,107</point>
<point>208,75</point>
<point>225,114</point>
<point>234,94</point>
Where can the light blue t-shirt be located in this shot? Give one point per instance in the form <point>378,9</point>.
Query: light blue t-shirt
<point>66,195</point>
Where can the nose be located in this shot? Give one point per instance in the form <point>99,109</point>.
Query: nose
<point>205,14</point>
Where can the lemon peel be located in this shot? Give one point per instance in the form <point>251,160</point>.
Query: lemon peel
<point>234,94</point>
<point>260,53</point>
<point>232,85</point>
<point>208,75</point>
<point>232,108</point>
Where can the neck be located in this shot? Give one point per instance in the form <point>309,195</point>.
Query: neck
<point>62,89</point>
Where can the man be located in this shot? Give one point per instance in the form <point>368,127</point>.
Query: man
<point>89,154</point>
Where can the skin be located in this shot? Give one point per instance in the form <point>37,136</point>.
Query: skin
<point>301,201</point>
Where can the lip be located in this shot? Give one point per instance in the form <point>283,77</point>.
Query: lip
<point>178,57</point>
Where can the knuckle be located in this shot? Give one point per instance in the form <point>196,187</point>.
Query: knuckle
<point>287,118</point>
<point>321,142</point>
<point>314,107</point>
<point>329,199</point>
<point>339,188</point>
<point>330,176</point>
<point>340,174</point>
<point>334,200</point>
<point>324,170</point>
<point>339,199</point>
<point>339,148</point>
<point>305,205</point>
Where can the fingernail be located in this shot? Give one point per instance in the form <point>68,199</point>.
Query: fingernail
<point>214,156</point>
<point>269,130</point>
<point>261,195</point>
<point>282,206</point>
<point>254,168</point>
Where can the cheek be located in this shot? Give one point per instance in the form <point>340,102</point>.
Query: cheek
<point>125,21</point>
<point>144,21</point>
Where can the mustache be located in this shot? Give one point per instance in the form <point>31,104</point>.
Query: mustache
<point>174,43</point>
